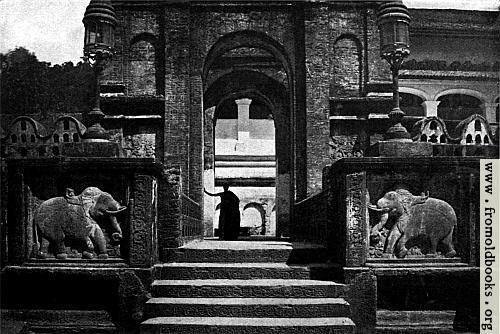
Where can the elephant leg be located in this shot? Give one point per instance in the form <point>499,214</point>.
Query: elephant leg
<point>88,254</point>
<point>401,246</point>
<point>448,241</point>
<point>391,241</point>
<point>44,248</point>
<point>100,243</point>
<point>61,250</point>
<point>433,249</point>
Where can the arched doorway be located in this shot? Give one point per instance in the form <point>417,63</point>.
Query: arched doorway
<point>250,68</point>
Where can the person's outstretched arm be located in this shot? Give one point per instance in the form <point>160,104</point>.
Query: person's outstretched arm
<point>209,194</point>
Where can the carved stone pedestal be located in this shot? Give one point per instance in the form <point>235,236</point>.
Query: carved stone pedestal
<point>92,149</point>
<point>400,149</point>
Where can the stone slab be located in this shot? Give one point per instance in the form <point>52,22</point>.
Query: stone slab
<point>415,318</point>
<point>91,149</point>
<point>246,251</point>
<point>400,149</point>
<point>248,307</point>
<point>230,271</point>
<point>246,325</point>
<point>259,288</point>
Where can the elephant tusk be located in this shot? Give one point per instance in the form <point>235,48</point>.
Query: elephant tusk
<point>111,212</point>
<point>374,207</point>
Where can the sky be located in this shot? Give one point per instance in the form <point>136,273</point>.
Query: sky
<point>53,29</point>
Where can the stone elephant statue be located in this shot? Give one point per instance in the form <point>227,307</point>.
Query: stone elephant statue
<point>76,217</point>
<point>415,216</point>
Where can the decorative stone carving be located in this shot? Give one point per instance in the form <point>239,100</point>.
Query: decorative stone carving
<point>431,129</point>
<point>75,217</point>
<point>343,147</point>
<point>442,65</point>
<point>417,222</point>
<point>475,130</point>
<point>27,137</point>
<point>356,225</point>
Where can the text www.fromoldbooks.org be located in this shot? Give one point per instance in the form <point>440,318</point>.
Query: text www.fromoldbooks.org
<point>489,245</point>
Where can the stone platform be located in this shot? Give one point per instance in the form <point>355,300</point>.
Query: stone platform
<point>247,251</point>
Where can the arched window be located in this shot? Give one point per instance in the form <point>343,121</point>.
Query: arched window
<point>458,106</point>
<point>477,125</point>
<point>253,218</point>
<point>411,104</point>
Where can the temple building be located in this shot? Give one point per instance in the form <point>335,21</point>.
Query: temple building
<point>106,225</point>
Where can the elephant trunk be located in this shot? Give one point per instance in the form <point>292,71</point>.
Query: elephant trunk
<point>117,235</point>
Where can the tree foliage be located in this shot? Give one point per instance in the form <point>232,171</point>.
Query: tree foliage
<point>29,86</point>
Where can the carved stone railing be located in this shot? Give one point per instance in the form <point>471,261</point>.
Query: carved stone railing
<point>310,220</point>
<point>191,223</point>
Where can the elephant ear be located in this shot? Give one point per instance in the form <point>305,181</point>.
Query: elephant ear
<point>71,197</point>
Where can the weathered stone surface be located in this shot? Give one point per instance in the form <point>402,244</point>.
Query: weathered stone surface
<point>264,288</point>
<point>56,321</point>
<point>235,293</point>
<point>75,217</point>
<point>400,149</point>
<point>248,307</point>
<point>362,296</point>
<point>141,145</point>
<point>414,217</point>
<point>230,271</point>
<point>143,251</point>
<point>116,289</point>
<point>91,149</point>
<point>247,251</point>
<point>214,325</point>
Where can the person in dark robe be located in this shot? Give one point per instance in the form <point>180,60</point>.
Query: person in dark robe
<point>229,215</point>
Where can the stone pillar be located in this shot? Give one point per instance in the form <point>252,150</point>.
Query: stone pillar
<point>430,108</point>
<point>490,112</point>
<point>209,172</point>
<point>243,119</point>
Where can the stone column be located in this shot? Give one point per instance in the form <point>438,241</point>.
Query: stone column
<point>430,108</point>
<point>490,112</point>
<point>243,119</point>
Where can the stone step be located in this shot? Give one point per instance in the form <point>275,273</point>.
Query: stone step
<point>248,307</point>
<point>213,251</point>
<point>421,322</point>
<point>254,288</point>
<point>176,271</point>
<point>56,321</point>
<point>221,325</point>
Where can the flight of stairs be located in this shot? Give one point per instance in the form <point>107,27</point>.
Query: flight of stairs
<point>244,287</point>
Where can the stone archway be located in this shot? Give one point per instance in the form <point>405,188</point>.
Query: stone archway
<point>262,72</point>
